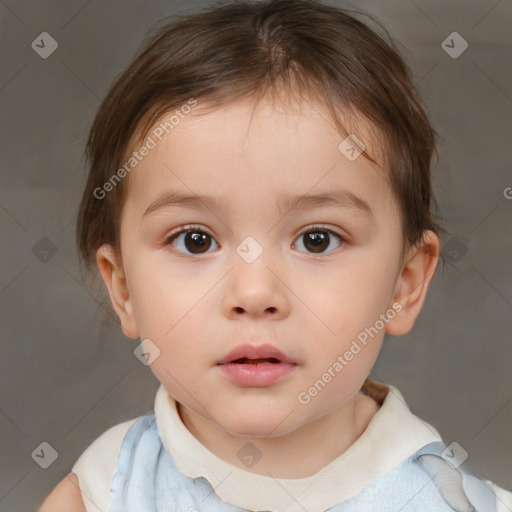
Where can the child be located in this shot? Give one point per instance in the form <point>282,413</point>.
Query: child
<point>258,206</point>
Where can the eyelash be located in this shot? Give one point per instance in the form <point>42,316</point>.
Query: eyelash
<point>312,228</point>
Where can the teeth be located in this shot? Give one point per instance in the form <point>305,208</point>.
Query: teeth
<point>245,360</point>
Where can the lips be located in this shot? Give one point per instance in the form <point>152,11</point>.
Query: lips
<point>255,354</point>
<point>250,366</point>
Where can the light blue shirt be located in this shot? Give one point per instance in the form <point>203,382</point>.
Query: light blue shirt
<point>148,480</point>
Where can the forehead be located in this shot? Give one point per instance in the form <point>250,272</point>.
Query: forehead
<point>247,157</point>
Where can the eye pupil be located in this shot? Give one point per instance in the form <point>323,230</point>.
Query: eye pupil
<point>197,240</point>
<point>319,240</point>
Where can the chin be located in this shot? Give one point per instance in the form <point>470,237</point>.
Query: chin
<point>257,424</point>
<point>251,431</point>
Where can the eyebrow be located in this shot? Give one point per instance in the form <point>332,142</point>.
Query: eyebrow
<point>341,199</point>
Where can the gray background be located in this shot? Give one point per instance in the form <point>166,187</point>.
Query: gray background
<point>68,374</point>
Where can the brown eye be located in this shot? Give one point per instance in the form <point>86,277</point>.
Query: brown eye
<point>316,241</point>
<point>191,241</point>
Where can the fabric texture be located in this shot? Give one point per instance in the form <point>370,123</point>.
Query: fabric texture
<point>154,461</point>
<point>148,480</point>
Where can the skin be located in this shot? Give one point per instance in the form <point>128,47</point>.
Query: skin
<point>197,307</point>
<point>66,497</point>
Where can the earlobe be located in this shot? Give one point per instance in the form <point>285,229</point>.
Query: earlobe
<point>113,276</point>
<point>413,282</point>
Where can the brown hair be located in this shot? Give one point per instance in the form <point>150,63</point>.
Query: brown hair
<point>244,49</point>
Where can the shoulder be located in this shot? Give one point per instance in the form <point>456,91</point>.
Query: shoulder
<point>96,467</point>
<point>460,487</point>
<point>65,497</point>
<point>88,485</point>
<point>503,497</point>
<point>104,447</point>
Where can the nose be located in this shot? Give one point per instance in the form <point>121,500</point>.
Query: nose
<point>256,290</point>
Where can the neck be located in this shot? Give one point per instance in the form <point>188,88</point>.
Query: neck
<point>298,454</point>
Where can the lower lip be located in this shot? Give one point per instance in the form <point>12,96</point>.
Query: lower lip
<point>256,375</point>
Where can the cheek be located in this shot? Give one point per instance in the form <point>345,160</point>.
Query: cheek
<point>349,299</point>
<point>164,298</point>
<point>347,321</point>
<point>178,317</point>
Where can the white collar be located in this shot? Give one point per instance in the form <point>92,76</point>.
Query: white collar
<point>392,436</point>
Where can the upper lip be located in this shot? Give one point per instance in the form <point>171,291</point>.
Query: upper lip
<point>255,352</point>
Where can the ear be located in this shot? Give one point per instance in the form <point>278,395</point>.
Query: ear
<point>413,282</point>
<point>113,276</point>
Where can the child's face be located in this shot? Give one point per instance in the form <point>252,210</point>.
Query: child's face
<point>197,302</point>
